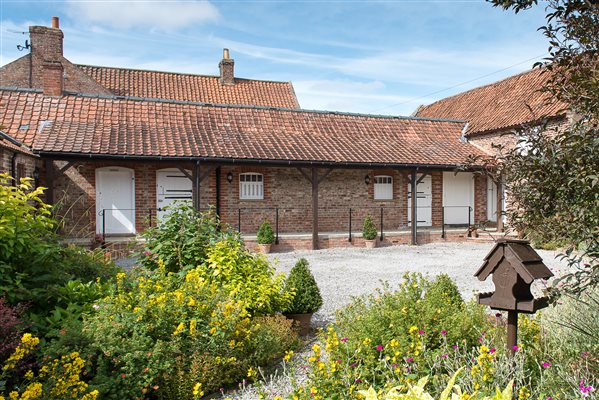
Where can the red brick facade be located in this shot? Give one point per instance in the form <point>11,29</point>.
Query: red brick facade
<point>285,189</point>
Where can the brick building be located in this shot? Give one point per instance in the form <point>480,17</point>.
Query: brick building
<point>498,114</point>
<point>115,146</point>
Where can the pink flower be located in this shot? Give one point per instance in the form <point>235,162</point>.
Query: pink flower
<point>445,355</point>
<point>480,339</point>
<point>515,348</point>
<point>585,354</point>
<point>353,364</point>
<point>421,332</point>
<point>147,253</point>
<point>380,347</point>
<point>455,346</point>
<point>492,350</point>
<point>443,332</point>
<point>344,339</point>
<point>585,390</point>
<point>409,360</point>
<point>546,364</point>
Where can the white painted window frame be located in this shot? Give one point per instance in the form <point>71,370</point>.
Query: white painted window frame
<point>383,190</point>
<point>250,188</point>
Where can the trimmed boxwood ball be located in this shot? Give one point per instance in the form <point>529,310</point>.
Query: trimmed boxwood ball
<point>265,234</point>
<point>307,297</point>
<point>369,229</point>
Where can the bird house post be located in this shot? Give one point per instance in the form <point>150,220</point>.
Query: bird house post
<point>514,265</point>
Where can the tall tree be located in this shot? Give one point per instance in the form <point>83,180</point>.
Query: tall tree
<point>553,176</point>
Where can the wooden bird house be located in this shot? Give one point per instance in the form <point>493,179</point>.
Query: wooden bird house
<point>514,265</point>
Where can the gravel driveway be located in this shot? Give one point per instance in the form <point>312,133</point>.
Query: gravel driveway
<point>345,272</point>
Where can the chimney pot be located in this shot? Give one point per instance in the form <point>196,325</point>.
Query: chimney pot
<point>226,54</point>
<point>55,23</point>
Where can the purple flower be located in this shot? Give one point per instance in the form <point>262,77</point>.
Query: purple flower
<point>515,348</point>
<point>358,380</point>
<point>585,390</point>
<point>492,350</point>
<point>585,354</point>
<point>421,332</point>
<point>344,339</point>
<point>445,355</point>
<point>443,332</point>
<point>353,364</point>
<point>546,364</point>
<point>147,253</point>
<point>455,346</point>
<point>380,347</point>
<point>480,339</point>
<point>394,365</point>
<point>409,360</point>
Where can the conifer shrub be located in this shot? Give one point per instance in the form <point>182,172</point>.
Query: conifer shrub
<point>301,282</point>
<point>369,231</point>
<point>265,233</point>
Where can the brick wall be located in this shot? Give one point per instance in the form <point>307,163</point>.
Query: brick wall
<point>284,188</point>
<point>25,163</point>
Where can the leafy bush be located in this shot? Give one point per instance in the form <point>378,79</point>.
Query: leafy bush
<point>55,379</point>
<point>245,276</point>
<point>301,282</point>
<point>265,234</point>
<point>34,265</point>
<point>369,229</point>
<point>162,334</point>
<point>182,239</point>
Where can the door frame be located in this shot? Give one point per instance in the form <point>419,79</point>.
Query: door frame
<point>99,183</point>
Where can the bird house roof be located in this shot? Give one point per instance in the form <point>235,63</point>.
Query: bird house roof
<point>520,255</point>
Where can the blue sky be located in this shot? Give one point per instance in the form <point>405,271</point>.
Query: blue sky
<point>380,57</point>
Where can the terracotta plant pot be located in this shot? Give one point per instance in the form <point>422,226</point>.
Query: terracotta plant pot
<point>301,322</point>
<point>370,244</point>
<point>265,248</point>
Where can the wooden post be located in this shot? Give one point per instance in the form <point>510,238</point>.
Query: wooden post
<point>414,185</point>
<point>314,208</point>
<point>196,186</point>
<point>49,166</point>
<point>500,227</point>
<point>512,331</point>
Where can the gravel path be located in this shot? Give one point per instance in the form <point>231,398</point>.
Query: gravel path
<point>347,272</point>
<point>344,273</point>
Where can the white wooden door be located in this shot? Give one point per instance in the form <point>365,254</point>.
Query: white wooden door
<point>115,200</point>
<point>424,201</point>
<point>491,200</point>
<point>458,198</point>
<point>171,186</point>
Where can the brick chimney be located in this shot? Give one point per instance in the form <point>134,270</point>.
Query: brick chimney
<point>226,65</point>
<point>47,71</point>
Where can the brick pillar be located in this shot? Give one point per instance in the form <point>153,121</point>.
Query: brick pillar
<point>227,66</point>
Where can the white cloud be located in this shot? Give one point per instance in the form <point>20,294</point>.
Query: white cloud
<point>163,15</point>
<point>345,95</point>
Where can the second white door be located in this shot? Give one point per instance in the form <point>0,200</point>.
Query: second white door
<point>172,186</point>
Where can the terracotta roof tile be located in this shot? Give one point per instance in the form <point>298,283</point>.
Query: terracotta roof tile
<point>189,87</point>
<point>7,142</point>
<point>106,126</point>
<point>504,104</point>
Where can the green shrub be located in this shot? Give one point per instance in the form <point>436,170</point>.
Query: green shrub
<point>34,265</point>
<point>265,234</point>
<point>301,282</point>
<point>369,229</point>
<point>160,334</point>
<point>182,239</point>
<point>245,276</point>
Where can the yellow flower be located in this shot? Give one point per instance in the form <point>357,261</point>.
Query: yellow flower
<point>180,328</point>
<point>192,326</point>
<point>288,355</point>
<point>197,390</point>
<point>413,329</point>
<point>367,341</point>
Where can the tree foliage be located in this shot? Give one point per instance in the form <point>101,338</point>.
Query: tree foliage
<point>553,176</point>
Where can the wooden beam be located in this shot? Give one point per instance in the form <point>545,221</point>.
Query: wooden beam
<point>314,181</point>
<point>187,174</point>
<point>207,172</point>
<point>305,174</point>
<point>67,166</point>
<point>421,178</point>
<point>196,186</point>
<point>49,166</point>
<point>500,227</point>
<point>414,184</point>
<point>324,176</point>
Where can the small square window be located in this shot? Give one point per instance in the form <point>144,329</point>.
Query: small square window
<point>383,187</point>
<point>251,186</point>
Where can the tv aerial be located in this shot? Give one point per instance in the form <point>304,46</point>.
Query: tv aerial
<point>26,46</point>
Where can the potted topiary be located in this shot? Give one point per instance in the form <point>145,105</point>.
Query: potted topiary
<point>266,237</point>
<point>307,299</point>
<point>369,232</point>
